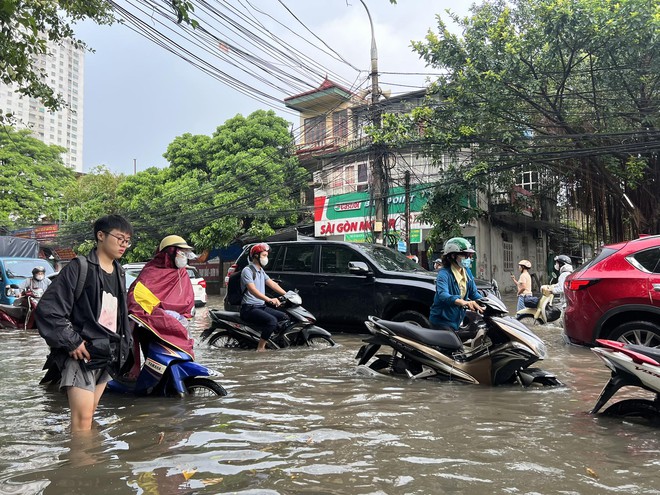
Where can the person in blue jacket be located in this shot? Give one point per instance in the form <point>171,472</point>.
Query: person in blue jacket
<point>455,289</point>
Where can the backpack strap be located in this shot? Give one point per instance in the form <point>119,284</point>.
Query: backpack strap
<point>254,275</point>
<point>82,277</point>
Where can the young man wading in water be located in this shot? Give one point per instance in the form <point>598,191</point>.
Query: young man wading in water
<point>88,331</point>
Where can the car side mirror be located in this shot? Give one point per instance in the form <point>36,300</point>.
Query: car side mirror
<point>358,268</point>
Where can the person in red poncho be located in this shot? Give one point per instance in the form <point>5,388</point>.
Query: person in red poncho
<point>162,299</point>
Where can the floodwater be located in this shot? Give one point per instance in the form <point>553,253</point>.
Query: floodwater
<point>303,421</point>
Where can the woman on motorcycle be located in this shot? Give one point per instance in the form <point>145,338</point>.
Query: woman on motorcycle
<point>162,298</point>
<point>456,290</point>
<point>524,283</point>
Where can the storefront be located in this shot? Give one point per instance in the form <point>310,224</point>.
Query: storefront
<point>349,217</point>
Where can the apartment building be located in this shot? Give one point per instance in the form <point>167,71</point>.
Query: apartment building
<point>63,69</point>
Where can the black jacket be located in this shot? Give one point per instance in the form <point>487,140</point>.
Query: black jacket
<point>65,323</point>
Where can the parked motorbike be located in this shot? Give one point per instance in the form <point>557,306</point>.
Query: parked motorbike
<point>228,330</point>
<point>19,314</point>
<point>167,371</point>
<point>499,352</point>
<point>635,366</point>
<point>543,312</point>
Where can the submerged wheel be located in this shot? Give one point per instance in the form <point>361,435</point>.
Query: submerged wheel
<point>222,340</point>
<point>637,332</point>
<point>525,319</point>
<point>635,408</point>
<point>412,317</point>
<point>320,342</point>
<point>204,387</point>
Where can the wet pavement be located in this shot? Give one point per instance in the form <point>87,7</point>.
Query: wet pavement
<point>303,421</point>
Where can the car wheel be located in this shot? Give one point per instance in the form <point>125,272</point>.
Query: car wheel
<point>637,332</point>
<point>412,317</point>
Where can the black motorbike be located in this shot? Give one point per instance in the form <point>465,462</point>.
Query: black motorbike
<point>228,330</point>
<point>500,350</point>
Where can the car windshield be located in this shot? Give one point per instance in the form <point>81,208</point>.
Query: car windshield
<point>133,272</point>
<point>23,268</point>
<point>391,260</point>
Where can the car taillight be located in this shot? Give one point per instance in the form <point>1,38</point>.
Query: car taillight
<point>579,284</point>
<point>202,283</point>
<point>231,270</point>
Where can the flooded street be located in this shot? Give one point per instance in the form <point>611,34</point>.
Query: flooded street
<point>303,421</point>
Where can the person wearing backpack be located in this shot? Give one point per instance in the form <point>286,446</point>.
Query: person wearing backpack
<point>254,281</point>
<point>83,318</point>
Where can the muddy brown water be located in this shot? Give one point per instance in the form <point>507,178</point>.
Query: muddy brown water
<point>303,421</point>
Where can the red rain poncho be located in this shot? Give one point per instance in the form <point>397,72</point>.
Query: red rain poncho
<point>162,287</point>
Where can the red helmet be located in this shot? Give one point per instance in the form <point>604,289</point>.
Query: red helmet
<point>257,249</point>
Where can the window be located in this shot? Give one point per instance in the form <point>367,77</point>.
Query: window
<point>340,124</point>
<point>649,260</point>
<point>529,180</point>
<point>508,256</point>
<point>334,259</point>
<point>315,129</point>
<point>297,258</point>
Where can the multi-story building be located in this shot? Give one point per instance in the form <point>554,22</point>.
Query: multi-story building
<point>335,148</point>
<point>63,71</point>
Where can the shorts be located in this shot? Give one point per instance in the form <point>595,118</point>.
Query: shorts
<point>73,375</point>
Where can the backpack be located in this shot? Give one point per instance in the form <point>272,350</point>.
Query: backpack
<point>234,293</point>
<point>82,277</point>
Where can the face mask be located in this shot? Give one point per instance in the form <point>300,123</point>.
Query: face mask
<point>556,266</point>
<point>263,261</point>
<point>181,260</point>
<point>39,277</point>
<point>466,262</point>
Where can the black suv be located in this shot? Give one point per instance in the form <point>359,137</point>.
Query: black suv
<point>342,283</point>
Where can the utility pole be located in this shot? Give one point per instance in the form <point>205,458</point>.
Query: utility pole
<point>134,166</point>
<point>406,176</point>
<point>377,185</point>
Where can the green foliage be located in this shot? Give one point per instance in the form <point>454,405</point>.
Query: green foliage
<point>242,179</point>
<point>90,197</point>
<point>25,28</point>
<point>570,88</point>
<point>27,25</point>
<point>32,176</point>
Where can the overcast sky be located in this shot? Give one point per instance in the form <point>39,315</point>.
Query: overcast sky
<point>139,97</point>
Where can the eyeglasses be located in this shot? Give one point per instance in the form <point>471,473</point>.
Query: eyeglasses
<point>121,240</point>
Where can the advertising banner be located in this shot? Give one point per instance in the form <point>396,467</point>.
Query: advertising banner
<point>352,214</point>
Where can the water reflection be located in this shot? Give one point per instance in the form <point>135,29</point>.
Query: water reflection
<point>302,421</point>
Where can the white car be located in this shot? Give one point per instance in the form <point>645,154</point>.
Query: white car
<point>198,282</point>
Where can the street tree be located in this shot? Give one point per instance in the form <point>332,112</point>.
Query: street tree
<point>243,179</point>
<point>89,197</point>
<point>570,89</point>
<point>32,179</point>
<point>26,26</point>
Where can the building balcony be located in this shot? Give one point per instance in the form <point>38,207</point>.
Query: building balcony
<point>328,146</point>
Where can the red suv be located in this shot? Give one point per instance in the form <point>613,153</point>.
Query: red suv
<point>616,295</point>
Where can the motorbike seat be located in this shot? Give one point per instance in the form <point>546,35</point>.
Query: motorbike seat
<point>232,316</point>
<point>15,312</point>
<point>437,338</point>
<point>651,352</point>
